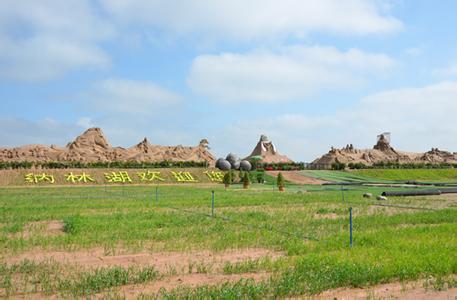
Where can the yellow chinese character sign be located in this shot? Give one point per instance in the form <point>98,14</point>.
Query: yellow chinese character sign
<point>37,178</point>
<point>74,178</point>
<point>150,176</point>
<point>215,176</point>
<point>118,177</point>
<point>183,177</point>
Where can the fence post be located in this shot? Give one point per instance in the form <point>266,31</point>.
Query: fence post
<point>157,194</point>
<point>212,203</point>
<point>350,226</point>
<point>342,192</point>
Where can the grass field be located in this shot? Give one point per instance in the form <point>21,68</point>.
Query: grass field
<point>386,175</point>
<point>444,175</point>
<point>86,241</point>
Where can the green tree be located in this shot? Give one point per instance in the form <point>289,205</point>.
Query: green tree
<point>246,180</point>
<point>227,179</point>
<point>260,177</point>
<point>281,182</point>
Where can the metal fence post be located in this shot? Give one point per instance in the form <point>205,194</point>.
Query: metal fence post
<point>350,226</point>
<point>157,194</point>
<point>342,192</point>
<point>212,203</point>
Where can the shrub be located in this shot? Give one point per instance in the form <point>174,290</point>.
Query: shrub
<point>72,225</point>
<point>280,180</point>
<point>260,177</point>
<point>227,178</point>
<point>338,166</point>
<point>246,179</point>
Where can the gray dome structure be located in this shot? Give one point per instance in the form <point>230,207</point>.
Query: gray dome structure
<point>245,165</point>
<point>234,161</point>
<point>232,158</point>
<point>235,165</point>
<point>223,164</point>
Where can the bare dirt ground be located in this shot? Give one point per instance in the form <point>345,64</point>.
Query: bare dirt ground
<point>41,228</point>
<point>330,216</point>
<point>162,262</point>
<point>296,177</point>
<point>181,270</point>
<point>177,269</point>
<point>408,291</point>
<point>186,280</point>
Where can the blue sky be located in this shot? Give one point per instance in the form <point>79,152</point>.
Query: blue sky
<point>308,74</point>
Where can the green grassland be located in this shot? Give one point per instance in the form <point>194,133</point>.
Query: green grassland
<point>415,238</point>
<point>444,175</point>
<point>386,175</point>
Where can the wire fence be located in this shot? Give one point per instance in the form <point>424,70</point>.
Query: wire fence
<point>206,204</point>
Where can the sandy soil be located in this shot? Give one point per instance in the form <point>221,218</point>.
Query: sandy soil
<point>188,280</point>
<point>161,261</point>
<point>41,228</point>
<point>296,177</point>
<point>409,291</point>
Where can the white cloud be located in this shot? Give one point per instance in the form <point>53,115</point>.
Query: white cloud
<point>288,74</point>
<point>450,71</point>
<point>42,40</point>
<point>414,51</point>
<point>254,19</point>
<point>419,119</point>
<point>125,96</point>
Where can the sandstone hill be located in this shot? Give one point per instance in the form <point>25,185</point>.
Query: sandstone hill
<point>92,146</point>
<point>383,152</point>
<point>267,150</point>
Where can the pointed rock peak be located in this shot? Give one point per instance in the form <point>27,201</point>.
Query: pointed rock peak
<point>204,144</point>
<point>267,149</point>
<point>383,143</point>
<point>143,146</point>
<point>92,137</point>
<point>143,142</point>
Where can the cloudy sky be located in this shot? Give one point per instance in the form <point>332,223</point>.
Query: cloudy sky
<point>309,74</point>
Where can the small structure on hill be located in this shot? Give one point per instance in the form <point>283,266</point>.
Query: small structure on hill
<point>268,151</point>
<point>382,152</point>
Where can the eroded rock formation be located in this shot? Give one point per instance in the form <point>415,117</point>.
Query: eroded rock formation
<point>267,150</point>
<point>92,146</point>
<point>383,152</point>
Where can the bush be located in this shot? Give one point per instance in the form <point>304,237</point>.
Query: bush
<point>227,178</point>
<point>260,177</point>
<point>280,181</point>
<point>246,179</point>
<point>338,166</point>
<point>72,225</point>
<point>281,166</point>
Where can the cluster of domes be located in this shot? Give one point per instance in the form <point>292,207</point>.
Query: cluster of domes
<point>232,162</point>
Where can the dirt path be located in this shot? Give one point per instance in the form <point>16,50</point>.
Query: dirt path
<point>296,177</point>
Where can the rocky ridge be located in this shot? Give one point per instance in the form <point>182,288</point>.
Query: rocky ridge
<point>384,152</point>
<point>92,146</point>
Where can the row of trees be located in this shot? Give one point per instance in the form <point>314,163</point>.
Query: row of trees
<point>393,165</point>
<point>246,178</point>
<point>280,166</point>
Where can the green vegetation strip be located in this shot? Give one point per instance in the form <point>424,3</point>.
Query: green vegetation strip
<point>433,175</point>
<point>50,278</point>
<point>343,176</point>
